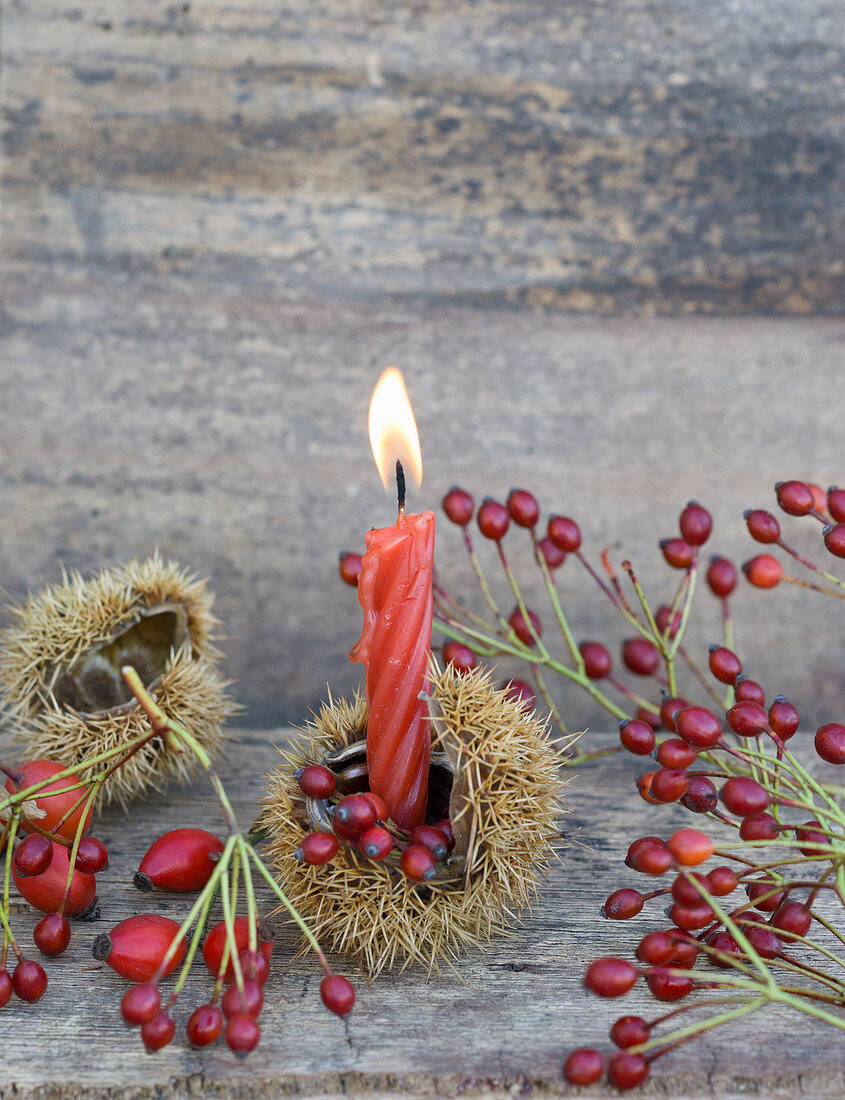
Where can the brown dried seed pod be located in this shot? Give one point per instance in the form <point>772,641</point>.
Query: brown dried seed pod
<point>60,669</point>
<point>494,771</point>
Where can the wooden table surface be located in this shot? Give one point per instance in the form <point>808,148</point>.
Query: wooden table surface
<point>501,1025</point>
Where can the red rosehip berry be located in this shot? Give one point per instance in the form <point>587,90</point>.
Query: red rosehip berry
<point>836,503</point>
<point>655,948</point>
<point>355,813</point>
<point>418,863</point>
<point>429,836</point>
<point>627,1071</point>
<point>242,1035</point>
<point>623,904</point>
<point>743,796</point>
<point>695,524</point>
<point>180,860</point>
<point>459,656</point>
<point>350,568</point>
<point>651,717</point>
<point>215,943</point>
<point>764,941</point>
<point>520,627</point>
<point>675,753</point>
<point>684,891</point>
<point>794,497</point>
<point>92,856</point>
<point>55,806</point>
<point>523,507</point>
<point>140,1003</point>
<point>52,934</point>
<point>722,944</point>
<point>5,988</point>
<point>444,826</point>
<point>669,784</point>
<point>248,1002</point>
<point>205,1026</point>
<point>629,1031</point>
<point>819,496</point>
<point>583,1066</point>
<point>760,826</point>
<point>45,891</point>
<point>337,993</point>
<point>698,726</point>
<point>686,949</point>
<point>762,526</point>
<point>724,664</point>
<point>677,552</point>
<point>254,965</point>
<point>564,533</point>
<point>721,577</point>
<point>764,895</point>
<point>596,658</point>
<point>701,796</point>
<point>378,805</point>
<point>722,881</point>
<point>830,743</point>
<point>158,1032</point>
<point>376,843</point>
<point>136,947</point>
<point>640,656</point>
<point>764,571</point>
<point>666,622</point>
<point>554,557</point>
<point>747,718</point>
<point>814,844</point>
<point>834,539</point>
<point>792,916</point>
<point>458,506</point>
<point>644,787</point>
<point>783,718</point>
<point>317,848</point>
<point>493,520</point>
<point>691,917</point>
<point>635,736</point>
<point>315,781</point>
<point>33,856</point>
<point>520,691</point>
<point>29,980</point>
<point>649,855</point>
<point>749,691</point>
<point>669,707</point>
<point>690,847</point>
<point>666,986</point>
<point>610,977</point>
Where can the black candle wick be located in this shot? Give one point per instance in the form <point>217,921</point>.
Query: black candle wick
<point>400,483</point>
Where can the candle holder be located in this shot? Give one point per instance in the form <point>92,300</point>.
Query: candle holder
<point>493,772</point>
<point>60,670</point>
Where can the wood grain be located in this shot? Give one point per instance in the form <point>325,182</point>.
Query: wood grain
<point>499,1026</point>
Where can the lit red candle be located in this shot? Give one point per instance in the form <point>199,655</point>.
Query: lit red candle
<point>395,591</point>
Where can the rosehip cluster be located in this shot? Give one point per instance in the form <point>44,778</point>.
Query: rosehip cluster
<point>361,821</point>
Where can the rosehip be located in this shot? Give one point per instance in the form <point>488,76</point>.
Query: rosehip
<point>376,843</point>
<point>204,1026</point>
<point>783,718</point>
<point>725,944</point>
<point>445,827</point>
<point>430,837</point>
<point>242,1035</point>
<point>684,891</point>
<point>315,781</point>
<point>764,571</point>
<point>597,660</point>
<point>610,977</point>
<point>637,737</point>
<point>459,656</point>
<point>54,806</point>
<point>377,804</point>
<point>669,784</point>
<point>520,627</point>
<point>626,1071</point>
<point>355,814</point>
<point>583,1066</point>
<point>33,856</point>
<point>764,941</point>
<point>830,743</point>
<point>644,787</point>
<point>158,1032</point>
<point>724,664</point>
<point>52,934</point>
<point>248,1001</point>
<point>337,993</point>
<point>794,497</point>
<point>92,856</point>
<point>458,506</point>
<point>254,965</point>
<point>749,691</point>
<point>666,622</point>
<point>136,947</point>
<point>760,826</point>
<point>792,916</point>
<point>622,905</point>
<point>418,863</point>
<point>742,795</point>
<point>564,533</point>
<point>140,1003</point>
<point>701,796</point>
<point>666,986</point>
<point>675,753</point>
<point>523,507</point>
<point>836,503</point>
<point>181,860</point>
<point>640,656</point>
<point>691,917</point>
<point>655,948</point>
<point>834,539</point>
<point>215,943</point>
<point>493,520</point>
<point>520,691</point>
<point>669,707</point>
<point>29,980</point>
<point>721,577</point>
<point>698,726</point>
<point>764,896</point>
<point>695,523</point>
<point>762,525</point>
<point>722,881</point>
<point>814,844</point>
<point>554,557</point>
<point>690,847</point>
<point>5,988</point>
<point>747,718</point>
<point>317,848</point>
<point>677,552</point>
<point>629,1031</point>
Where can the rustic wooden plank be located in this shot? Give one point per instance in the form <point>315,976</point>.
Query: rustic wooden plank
<point>499,1026</point>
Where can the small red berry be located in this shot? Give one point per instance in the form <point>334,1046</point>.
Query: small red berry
<point>722,881</point>
<point>721,577</point>
<point>317,848</point>
<point>650,856</point>
<point>215,943</point>
<point>794,497</point>
<point>686,950</point>
<point>814,844</point>
<point>742,795</point>
<point>158,1032</point>
<point>749,691</point>
<point>29,980</point>
<point>651,717</point>
<point>248,1001</point>
<point>376,843</point>
<point>677,552</point>
<point>666,622</point>
<point>520,691</point>
<point>140,1003</point>
<point>747,718</point>
<point>760,826</point>
<point>819,496</point>
<point>179,861</point>
<point>350,568</point>
<point>723,943</point>
<point>315,781</point>
<point>493,520</point>
<point>762,526</point>
<point>783,718</point>
<point>764,896</point>
<point>792,916</point>
<point>637,737</point>
<point>834,539</point>
<point>429,836</point>
<point>458,506</point>
<point>627,1071</point>
<point>92,856</point>
<point>418,863</point>
<point>669,707</point>
<point>445,827</point>
<point>695,524</point>
<point>583,1066</point>
<point>669,784</point>
<point>629,1031</point>
<point>764,571</point>
<point>337,993</point>
<point>553,556</point>
<point>597,660</point>
<point>136,947</point>
<point>255,965</point>
<point>459,656</point>
<point>5,988</point>
<point>610,977</point>
<point>764,941</point>
<point>523,508</point>
<point>644,787</point>
<point>655,948</point>
<point>204,1026</point>
<point>640,656</point>
<point>639,845</point>
<point>675,753</point>
<point>33,856</point>
<point>378,805</point>
<point>623,904</point>
<point>830,743</point>
<point>690,847</point>
<point>355,814</point>
<point>564,533</point>
<point>691,917</point>
<point>698,726</point>
<point>724,664</point>
<point>701,796</point>
<point>836,503</point>
<point>52,934</point>
<point>520,627</point>
<point>666,986</point>
<point>684,890</point>
<point>242,1035</point>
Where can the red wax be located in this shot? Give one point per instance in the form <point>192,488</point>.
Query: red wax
<point>395,591</point>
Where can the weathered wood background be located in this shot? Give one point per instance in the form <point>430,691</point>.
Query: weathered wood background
<point>500,1026</point>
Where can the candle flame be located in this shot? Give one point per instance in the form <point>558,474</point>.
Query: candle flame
<point>393,432</point>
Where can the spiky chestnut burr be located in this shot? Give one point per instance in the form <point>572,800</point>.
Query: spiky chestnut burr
<point>498,775</point>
